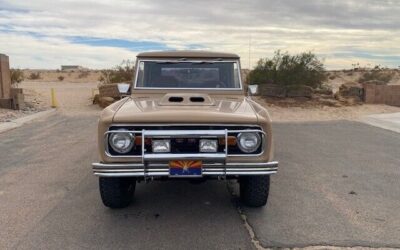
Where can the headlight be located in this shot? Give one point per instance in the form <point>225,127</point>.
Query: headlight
<point>248,142</point>
<point>208,146</point>
<point>121,142</point>
<point>161,146</point>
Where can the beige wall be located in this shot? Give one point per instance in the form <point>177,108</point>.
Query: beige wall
<point>5,78</point>
<point>383,94</point>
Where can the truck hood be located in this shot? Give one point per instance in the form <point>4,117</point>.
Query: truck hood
<point>185,108</point>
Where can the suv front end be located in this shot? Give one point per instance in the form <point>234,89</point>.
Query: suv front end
<point>187,118</point>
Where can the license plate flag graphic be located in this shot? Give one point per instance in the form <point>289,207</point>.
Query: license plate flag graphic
<point>185,168</point>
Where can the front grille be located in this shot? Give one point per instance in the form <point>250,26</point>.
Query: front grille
<point>185,145</point>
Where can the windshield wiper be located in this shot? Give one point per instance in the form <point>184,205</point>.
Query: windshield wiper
<point>203,62</point>
<point>166,62</point>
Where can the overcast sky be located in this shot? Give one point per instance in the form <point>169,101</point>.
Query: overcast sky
<point>100,34</point>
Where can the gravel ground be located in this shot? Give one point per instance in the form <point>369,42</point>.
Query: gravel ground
<point>72,98</point>
<point>34,103</point>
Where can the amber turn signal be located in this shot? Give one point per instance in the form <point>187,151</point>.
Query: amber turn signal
<point>231,141</point>
<point>138,141</point>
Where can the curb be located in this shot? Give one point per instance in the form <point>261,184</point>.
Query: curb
<point>21,121</point>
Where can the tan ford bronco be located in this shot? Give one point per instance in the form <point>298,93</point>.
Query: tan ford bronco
<point>185,115</point>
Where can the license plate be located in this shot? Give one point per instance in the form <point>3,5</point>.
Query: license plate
<point>185,168</point>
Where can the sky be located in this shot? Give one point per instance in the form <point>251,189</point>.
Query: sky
<point>101,34</point>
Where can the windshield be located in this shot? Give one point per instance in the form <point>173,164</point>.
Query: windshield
<point>188,74</point>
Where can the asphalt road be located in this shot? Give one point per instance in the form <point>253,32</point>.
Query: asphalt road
<point>338,185</point>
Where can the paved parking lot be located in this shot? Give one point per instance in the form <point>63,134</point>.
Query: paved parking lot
<point>338,185</point>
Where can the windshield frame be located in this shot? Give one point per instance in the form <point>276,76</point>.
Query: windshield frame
<point>185,60</point>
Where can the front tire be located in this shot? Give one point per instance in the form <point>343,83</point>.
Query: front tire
<point>117,192</point>
<point>254,190</point>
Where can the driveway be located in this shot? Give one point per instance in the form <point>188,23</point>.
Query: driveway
<point>385,121</point>
<point>337,186</point>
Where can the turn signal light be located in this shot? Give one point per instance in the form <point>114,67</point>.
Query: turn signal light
<point>231,141</point>
<point>138,141</point>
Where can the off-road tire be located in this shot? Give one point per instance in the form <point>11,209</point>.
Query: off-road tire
<point>117,192</point>
<point>254,190</point>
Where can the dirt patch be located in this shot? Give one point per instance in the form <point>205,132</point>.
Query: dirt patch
<point>71,97</point>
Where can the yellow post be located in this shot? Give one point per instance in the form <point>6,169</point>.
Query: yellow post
<point>53,99</point>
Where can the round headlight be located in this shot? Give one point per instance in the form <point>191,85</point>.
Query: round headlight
<point>121,142</point>
<point>248,142</point>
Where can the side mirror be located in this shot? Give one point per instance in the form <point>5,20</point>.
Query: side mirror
<point>123,88</point>
<point>253,89</point>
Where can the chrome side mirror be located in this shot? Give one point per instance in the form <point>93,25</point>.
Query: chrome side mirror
<point>123,88</point>
<point>253,89</point>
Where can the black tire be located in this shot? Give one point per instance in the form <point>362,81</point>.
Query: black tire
<point>117,192</point>
<point>254,190</point>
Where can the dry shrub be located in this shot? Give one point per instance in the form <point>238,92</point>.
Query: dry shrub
<point>34,76</point>
<point>60,78</point>
<point>83,74</point>
<point>121,73</point>
<point>377,74</point>
<point>17,76</point>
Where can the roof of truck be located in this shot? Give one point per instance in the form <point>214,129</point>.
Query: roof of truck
<point>187,54</point>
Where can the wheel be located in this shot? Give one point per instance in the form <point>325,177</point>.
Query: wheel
<point>254,190</point>
<point>117,192</point>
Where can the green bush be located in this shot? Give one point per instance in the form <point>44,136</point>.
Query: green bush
<point>17,76</point>
<point>288,70</point>
<point>121,73</point>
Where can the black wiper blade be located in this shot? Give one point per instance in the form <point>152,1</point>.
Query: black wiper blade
<point>203,62</point>
<point>166,62</point>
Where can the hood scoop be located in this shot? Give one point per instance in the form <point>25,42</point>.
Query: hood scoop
<point>186,99</point>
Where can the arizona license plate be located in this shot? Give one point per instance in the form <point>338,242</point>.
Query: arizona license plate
<point>185,168</point>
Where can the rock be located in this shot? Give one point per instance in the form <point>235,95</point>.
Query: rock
<point>96,99</point>
<point>351,89</point>
<point>330,103</point>
<point>109,90</point>
<point>105,101</point>
<point>272,90</point>
<point>299,91</point>
<point>324,90</point>
<point>352,101</point>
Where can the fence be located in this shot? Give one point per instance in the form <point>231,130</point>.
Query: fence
<point>382,94</point>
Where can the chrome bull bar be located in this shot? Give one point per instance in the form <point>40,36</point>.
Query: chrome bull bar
<point>165,134</point>
<point>157,164</point>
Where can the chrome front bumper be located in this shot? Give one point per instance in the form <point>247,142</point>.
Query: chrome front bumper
<point>162,169</point>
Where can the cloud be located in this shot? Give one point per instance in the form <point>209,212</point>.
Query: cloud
<point>86,31</point>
